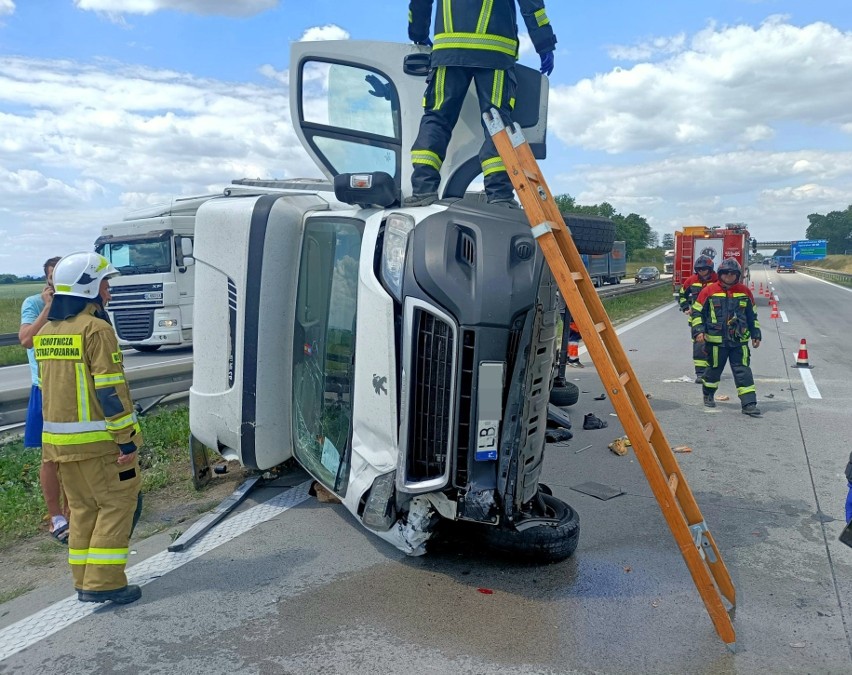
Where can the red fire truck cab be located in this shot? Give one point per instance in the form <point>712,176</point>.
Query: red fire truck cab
<point>718,243</point>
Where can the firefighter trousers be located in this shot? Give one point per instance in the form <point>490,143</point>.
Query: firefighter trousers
<point>699,355</point>
<point>102,496</point>
<point>446,88</point>
<point>739,357</point>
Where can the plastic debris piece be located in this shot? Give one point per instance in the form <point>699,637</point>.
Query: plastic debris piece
<point>581,449</point>
<point>770,395</point>
<point>602,397</point>
<point>723,397</point>
<point>324,496</point>
<point>797,645</point>
<point>628,569</point>
<point>618,447</point>
<point>681,448</point>
<point>485,591</point>
<point>684,378</point>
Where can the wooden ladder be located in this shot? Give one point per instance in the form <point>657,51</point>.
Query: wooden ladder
<point>655,456</point>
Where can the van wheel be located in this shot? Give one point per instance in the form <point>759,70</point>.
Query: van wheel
<point>549,542</point>
<point>592,235</point>
<point>146,348</point>
<point>565,395</point>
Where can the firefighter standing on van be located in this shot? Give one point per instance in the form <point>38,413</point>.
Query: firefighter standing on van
<point>724,318</point>
<point>474,40</point>
<point>90,427</point>
<point>687,295</point>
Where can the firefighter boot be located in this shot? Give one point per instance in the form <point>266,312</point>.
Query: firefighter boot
<point>751,409</point>
<point>120,596</point>
<point>421,200</point>
<point>708,401</point>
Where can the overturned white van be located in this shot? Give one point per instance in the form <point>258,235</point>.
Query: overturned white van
<point>403,356</point>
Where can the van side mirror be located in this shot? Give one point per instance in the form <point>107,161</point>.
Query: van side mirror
<point>186,246</point>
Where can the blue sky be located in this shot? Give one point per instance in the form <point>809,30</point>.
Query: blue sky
<point>684,112</point>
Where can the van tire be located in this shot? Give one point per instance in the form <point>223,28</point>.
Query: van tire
<point>592,235</point>
<point>565,396</point>
<point>146,348</point>
<point>543,544</point>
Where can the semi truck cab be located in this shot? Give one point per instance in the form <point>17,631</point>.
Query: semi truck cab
<point>152,299</point>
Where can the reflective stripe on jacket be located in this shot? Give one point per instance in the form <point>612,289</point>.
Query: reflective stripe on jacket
<point>691,288</point>
<point>725,315</point>
<point>86,401</point>
<point>479,33</point>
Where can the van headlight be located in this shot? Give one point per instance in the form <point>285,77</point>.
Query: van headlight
<point>397,228</point>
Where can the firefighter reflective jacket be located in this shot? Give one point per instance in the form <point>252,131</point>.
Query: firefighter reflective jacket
<point>87,407</point>
<point>691,288</point>
<point>479,33</point>
<point>725,316</point>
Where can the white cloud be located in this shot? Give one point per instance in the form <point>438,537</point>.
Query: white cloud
<point>328,32</point>
<point>731,87</point>
<point>205,7</point>
<point>648,48</point>
<point>771,191</point>
<point>78,140</point>
<point>7,7</point>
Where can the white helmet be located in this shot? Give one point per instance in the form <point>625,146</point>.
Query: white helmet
<point>80,274</point>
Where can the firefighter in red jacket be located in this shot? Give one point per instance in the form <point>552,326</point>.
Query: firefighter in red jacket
<point>724,318</point>
<point>474,40</point>
<point>687,295</point>
<point>90,427</point>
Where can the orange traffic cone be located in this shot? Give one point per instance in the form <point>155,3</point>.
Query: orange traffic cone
<point>752,284</point>
<point>802,356</point>
<point>775,314</point>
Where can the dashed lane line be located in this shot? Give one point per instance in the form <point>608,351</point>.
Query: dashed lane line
<point>808,381</point>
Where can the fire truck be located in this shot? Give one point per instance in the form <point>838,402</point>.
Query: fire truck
<point>718,243</point>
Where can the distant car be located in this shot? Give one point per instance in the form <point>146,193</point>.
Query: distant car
<point>647,274</point>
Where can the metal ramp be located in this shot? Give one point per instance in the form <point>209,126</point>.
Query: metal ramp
<point>652,450</point>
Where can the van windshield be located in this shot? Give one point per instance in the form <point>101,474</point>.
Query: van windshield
<point>138,257</point>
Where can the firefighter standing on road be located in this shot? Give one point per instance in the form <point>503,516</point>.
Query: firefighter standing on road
<point>90,427</point>
<point>687,295</point>
<point>724,319</point>
<point>474,40</point>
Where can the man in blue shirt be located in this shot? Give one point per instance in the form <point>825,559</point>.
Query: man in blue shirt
<point>34,312</point>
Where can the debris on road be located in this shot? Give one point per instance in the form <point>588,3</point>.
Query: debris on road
<point>619,445</point>
<point>681,448</point>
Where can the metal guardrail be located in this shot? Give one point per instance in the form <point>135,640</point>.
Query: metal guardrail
<point>150,382</point>
<point>9,339</point>
<point>830,275</point>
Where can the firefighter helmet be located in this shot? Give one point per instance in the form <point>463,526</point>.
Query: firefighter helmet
<point>80,274</point>
<point>703,262</point>
<point>730,265</point>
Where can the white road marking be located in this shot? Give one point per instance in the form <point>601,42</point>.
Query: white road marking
<point>808,381</point>
<point>783,316</point>
<point>62,614</point>
<point>831,283</point>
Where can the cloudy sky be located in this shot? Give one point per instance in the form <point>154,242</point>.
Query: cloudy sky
<point>684,112</point>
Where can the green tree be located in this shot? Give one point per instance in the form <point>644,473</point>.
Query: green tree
<point>632,229</point>
<point>835,227</point>
<point>668,241</point>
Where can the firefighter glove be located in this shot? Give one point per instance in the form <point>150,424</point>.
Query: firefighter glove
<point>127,448</point>
<point>547,63</point>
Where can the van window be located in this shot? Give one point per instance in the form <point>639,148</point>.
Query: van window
<point>350,115</point>
<point>324,348</point>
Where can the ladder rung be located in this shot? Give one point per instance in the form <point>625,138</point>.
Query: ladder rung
<point>649,430</point>
<point>600,327</point>
<point>673,482</point>
<point>624,378</point>
<point>576,276</point>
<point>532,175</point>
